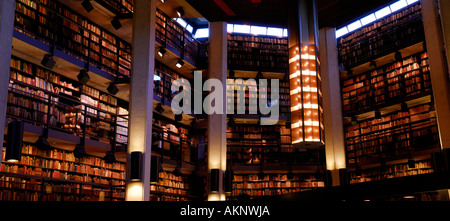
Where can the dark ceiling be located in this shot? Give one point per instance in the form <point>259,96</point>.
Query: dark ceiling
<point>332,13</point>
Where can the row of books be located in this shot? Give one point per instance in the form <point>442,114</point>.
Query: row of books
<point>416,113</point>
<point>71,19</point>
<point>392,171</point>
<point>63,155</point>
<point>273,184</point>
<point>282,41</point>
<point>385,23</point>
<point>265,192</point>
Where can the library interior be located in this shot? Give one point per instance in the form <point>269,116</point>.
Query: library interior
<point>87,89</point>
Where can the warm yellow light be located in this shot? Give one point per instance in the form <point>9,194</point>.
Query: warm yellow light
<point>134,191</point>
<point>12,161</point>
<point>294,59</point>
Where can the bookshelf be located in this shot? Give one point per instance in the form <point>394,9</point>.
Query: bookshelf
<point>386,85</point>
<point>251,144</point>
<point>395,134</point>
<point>247,52</point>
<point>170,33</point>
<point>391,171</point>
<point>250,104</point>
<point>55,23</point>
<point>272,184</point>
<point>177,141</point>
<point>170,188</point>
<point>396,31</point>
<point>57,175</point>
<point>398,89</point>
<point>38,95</point>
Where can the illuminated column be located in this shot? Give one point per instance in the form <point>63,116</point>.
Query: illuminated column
<point>439,74</point>
<point>141,101</point>
<point>334,130</point>
<point>305,81</point>
<point>217,123</point>
<point>6,33</point>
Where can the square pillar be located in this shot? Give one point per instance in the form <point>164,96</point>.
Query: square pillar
<point>333,122</point>
<point>217,122</point>
<point>7,9</point>
<point>141,101</point>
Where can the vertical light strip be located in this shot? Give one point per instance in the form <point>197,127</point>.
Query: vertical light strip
<point>306,123</point>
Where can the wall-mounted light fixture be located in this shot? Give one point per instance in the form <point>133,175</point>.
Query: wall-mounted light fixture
<point>136,165</point>
<point>214,187</point>
<point>14,141</point>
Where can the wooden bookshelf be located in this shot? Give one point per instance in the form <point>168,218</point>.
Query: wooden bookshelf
<point>251,144</point>
<point>247,52</point>
<point>251,100</point>
<point>385,85</point>
<point>391,171</point>
<point>396,31</point>
<point>38,95</point>
<point>378,143</point>
<point>170,188</point>
<point>177,141</point>
<point>53,22</point>
<point>57,175</point>
<point>272,184</point>
<point>394,134</point>
<point>170,33</point>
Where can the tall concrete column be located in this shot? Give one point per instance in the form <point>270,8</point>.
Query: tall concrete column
<point>7,8</point>
<point>217,123</point>
<point>332,107</point>
<point>141,101</point>
<point>438,68</point>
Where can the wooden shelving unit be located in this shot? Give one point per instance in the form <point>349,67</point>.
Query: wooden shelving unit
<point>57,175</point>
<point>272,184</point>
<point>388,104</point>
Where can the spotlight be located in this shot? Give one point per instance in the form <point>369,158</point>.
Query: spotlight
<point>214,187</point>
<point>354,121</point>
<point>180,12</point>
<point>83,76</point>
<point>373,64</point>
<point>194,123</point>
<point>411,163</point>
<point>180,63</point>
<point>161,51</point>
<point>112,88</point>
<point>48,61</point>
<point>377,114</point>
<point>159,108</point>
<point>163,1</point>
<point>177,172</point>
<point>231,74</point>
<point>14,141</point>
<point>116,23</point>
<point>358,172</point>
<point>398,56</point>
<point>178,117</point>
<point>87,5</point>
<point>109,157</point>
<point>261,175</point>
<point>42,143</point>
<point>290,175</point>
<point>229,174</point>
<point>259,75</point>
<point>404,108</point>
<point>349,73</point>
<point>79,151</point>
<point>136,165</point>
<point>231,122</point>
